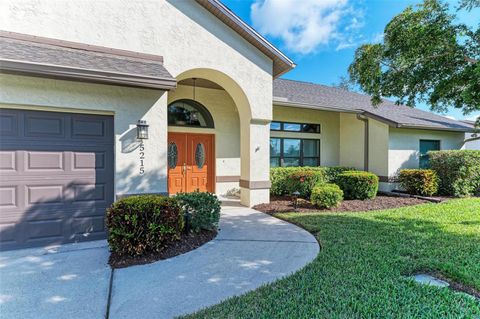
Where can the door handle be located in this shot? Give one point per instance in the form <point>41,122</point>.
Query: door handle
<point>184,168</point>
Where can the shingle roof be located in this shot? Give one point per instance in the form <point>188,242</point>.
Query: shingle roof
<point>40,56</point>
<point>312,95</point>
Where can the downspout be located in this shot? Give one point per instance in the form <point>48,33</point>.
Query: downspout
<point>366,134</point>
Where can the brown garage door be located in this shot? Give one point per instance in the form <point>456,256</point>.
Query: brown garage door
<point>56,177</point>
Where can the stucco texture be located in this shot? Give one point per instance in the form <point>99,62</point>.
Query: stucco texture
<point>404,146</point>
<point>193,43</point>
<point>329,132</point>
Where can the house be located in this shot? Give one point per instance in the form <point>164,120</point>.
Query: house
<point>472,140</point>
<point>101,100</point>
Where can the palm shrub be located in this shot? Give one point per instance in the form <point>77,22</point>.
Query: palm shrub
<point>419,181</point>
<point>204,208</point>
<point>358,184</point>
<point>326,196</point>
<point>303,182</point>
<point>143,224</point>
<point>459,171</point>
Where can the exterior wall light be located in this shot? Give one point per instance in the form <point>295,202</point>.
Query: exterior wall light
<point>142,130</point>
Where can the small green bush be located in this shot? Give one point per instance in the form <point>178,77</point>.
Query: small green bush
<point>332,172</point>
<point>326,196</point>
<point>459,171</point>
<point>204,208</point>
<point>303,182</point>
<point>141,224</point>
<point>279,176</point>
<point>358,185</point>
<point>419,181</point>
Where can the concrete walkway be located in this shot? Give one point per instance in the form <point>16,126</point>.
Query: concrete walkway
<point>251,249</point>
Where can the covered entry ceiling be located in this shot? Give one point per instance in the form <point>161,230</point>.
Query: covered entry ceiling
<point>56,177</point>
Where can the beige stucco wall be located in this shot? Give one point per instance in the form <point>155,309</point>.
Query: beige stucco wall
<point>404,146</point>
<point>378,147</point>
<point>352,140</point>
<point>226,131</point>
<point>329,135</point>
<point>193,43</point>
<point>126,104</point>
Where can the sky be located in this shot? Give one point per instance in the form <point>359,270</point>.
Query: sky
<point>321,36</point>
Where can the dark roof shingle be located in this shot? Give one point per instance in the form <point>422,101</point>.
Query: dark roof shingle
<point>321,96</point>
<point>18,53</point>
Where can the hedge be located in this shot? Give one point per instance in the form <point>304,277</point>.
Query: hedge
<point>326,196</point>
<point>141,224</point>
<point>303,182</point>
<point>358,185</point>
<point>419,181</point>
<point>204,208</point>
<point>459,171</point>
<point>279,176</point>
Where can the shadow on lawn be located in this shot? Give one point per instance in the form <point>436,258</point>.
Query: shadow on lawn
<point>406,245</point>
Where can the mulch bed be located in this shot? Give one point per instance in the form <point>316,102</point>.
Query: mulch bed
<point>283,204</point>
<point>185,244</point>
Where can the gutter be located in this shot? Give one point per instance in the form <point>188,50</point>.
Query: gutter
<point>313,107</point>
<point>413,126</point>
<point>8,66</point>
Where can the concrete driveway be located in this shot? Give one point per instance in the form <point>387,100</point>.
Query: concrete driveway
<point>74,281</point>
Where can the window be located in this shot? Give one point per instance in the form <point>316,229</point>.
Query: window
<point>425,147</point>
<point>295,127</point>
<point>189,113</point>
<point>294,152</point>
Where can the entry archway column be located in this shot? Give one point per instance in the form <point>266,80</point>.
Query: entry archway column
<point>255,161</point>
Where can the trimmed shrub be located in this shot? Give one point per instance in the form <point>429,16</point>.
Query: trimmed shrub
<point>459,171</point>
<point>279,176</point>
<point>204,208</point>
<point>141,224</point>
<point>332,172</point>
<point>419,181</point>
<point>303,182</point>
<point>358,185</point>
<point>326,196</point>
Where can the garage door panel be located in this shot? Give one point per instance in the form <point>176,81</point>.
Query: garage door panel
<point>55,182</point>
<point>8,197</point>
<point>9,124</point>
<point>44,229</point>
<point>45,125</point>
<point>45,161</point>
<point>89,160</point>
<point>7,161</point>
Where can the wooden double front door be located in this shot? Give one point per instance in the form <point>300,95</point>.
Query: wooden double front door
<point>191,162</point>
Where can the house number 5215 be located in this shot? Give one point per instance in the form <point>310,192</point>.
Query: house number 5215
<point>142,159</point>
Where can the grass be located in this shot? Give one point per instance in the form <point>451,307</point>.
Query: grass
<point>360,270</point>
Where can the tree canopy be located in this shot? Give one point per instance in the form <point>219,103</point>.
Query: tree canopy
<point>426,56</point>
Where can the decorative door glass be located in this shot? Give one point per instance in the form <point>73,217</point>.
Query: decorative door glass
<point>200,155</point>
<point>172,155</point>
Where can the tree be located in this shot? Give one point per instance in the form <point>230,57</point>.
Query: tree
<point>344,83</point>
<point>425,57</point>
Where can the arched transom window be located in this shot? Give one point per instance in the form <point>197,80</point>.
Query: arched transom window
<point>189,113</point>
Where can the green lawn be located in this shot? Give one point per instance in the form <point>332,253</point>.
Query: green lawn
<point>359,271</point>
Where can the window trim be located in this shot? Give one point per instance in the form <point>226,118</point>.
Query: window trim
<point>301,156</point>
<point>282,127</point>
<point>200,108</point>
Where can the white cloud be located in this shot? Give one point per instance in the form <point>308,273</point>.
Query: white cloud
<point>306,25</point>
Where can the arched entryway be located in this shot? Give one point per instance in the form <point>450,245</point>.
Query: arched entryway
<point>190,154</point>
<point>240,140</point>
